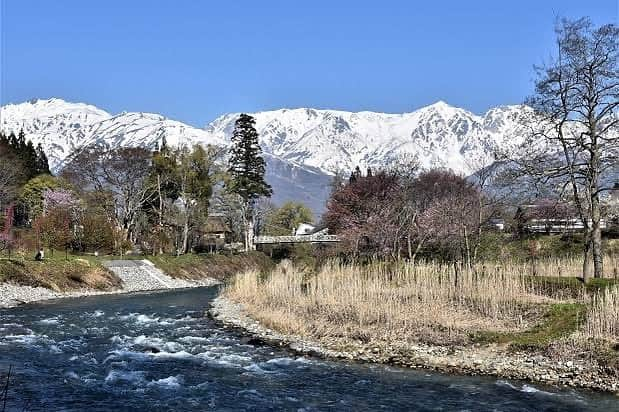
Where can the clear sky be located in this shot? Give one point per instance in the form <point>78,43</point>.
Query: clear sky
<point>193,60</point>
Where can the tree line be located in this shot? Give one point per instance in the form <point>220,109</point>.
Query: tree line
<point>20,161</point>
<point>401,212</point>
<point>119,199</point>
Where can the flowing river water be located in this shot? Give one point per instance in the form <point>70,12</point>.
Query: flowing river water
<point>158,352</point>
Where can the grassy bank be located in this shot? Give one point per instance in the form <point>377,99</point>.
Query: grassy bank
<point>399,305</point>
<point>59,273</point>
<point>218,266</point>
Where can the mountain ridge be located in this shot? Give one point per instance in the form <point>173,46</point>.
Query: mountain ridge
<point>303,146</point>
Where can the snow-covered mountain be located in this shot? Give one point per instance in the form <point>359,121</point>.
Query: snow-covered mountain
<point>439,135</point>
<point>303,147</point>
<point>61,127</point>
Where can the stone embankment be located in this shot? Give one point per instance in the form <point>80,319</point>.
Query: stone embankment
<point>471,360</point>
<point>136,276</point>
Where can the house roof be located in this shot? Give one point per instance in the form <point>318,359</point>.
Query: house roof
<point>215,224</point>
<point>546,208</point>
<point>315,228</point>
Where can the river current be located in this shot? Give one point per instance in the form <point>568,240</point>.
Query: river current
<point>158,352</point>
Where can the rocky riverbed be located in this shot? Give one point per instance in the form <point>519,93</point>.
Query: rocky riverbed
<point>472,360</point>
<point>136,276</point>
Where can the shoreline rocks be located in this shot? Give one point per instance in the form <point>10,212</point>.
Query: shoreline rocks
<point>492,360</point>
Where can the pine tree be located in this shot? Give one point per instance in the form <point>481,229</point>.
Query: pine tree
<point>358,172</point>
<point>29,157</point>
<point>13,141</point>
<point>21,140</point>
<point>246,165</point>
<point>246,169</point>
<point>42,164</point>
<point>355,175</point>
<point>32,160</point>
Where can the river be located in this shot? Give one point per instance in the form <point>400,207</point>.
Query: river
<point>158,352</point>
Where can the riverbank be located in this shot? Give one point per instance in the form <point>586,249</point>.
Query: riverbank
<point>493,320</point>
<point>59,272</point>
<point>133,276</point>
<point>492,360</point>
<point>24,280</point>
<point>218,266</point>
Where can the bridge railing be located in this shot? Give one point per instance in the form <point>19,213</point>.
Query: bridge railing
<point>319,238</point>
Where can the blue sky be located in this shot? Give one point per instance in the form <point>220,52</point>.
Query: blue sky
<point>194,60</point>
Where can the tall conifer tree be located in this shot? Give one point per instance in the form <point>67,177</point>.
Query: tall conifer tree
<point>246,169</point>
<point>29,157</point>
<point>13,141</point>
<point>42,164</point>
<point>21,140</point>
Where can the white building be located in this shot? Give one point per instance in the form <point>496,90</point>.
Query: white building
<point>305,229</point>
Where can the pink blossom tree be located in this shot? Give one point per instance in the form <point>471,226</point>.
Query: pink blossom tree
<point>59,199</point>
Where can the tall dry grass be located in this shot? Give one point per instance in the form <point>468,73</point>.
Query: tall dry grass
<point>570,266</point>
<point>391,301</point>
<point>603,316</point>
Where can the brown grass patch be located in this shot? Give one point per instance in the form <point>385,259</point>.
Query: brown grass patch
<point>403,302</point>
<point>603,317</point>
<point>58,275</point>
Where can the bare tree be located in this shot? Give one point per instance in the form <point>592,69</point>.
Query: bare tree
<point>488,180</point>
<point>6,238</point>
<point>263,209</point>
<point>448,213</point>
<point>452,223</point>
<point>232,208</point>
<point>395,214</point>
<point>10,174</point>
<point>7,184</point>
<point>573,141</point>
<point>123,172</point>
<point>403,213</point>
<point>358,212</point>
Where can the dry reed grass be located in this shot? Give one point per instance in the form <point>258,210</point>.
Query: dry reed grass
<point>390,301</point>
<point>429,302</point>
<point>570,266</point>
<point>603,316</point>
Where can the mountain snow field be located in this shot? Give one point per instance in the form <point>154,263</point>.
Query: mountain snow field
<point>303,147</point>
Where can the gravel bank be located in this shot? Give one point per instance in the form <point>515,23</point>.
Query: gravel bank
<point>136,276</point>
<point>476,360</point>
